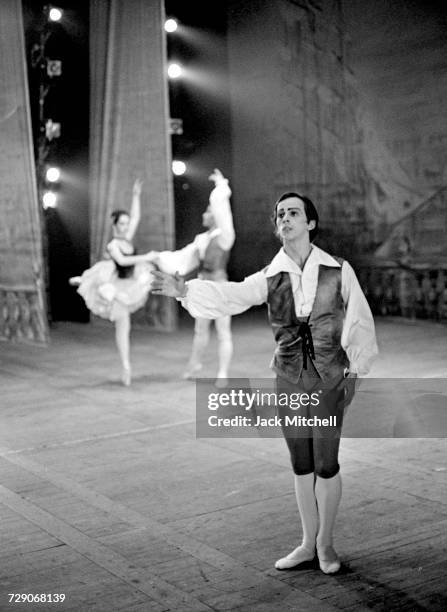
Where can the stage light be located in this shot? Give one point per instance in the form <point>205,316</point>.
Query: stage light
<point>53,174</point>
<point>174,71</point>
<point>49,199</point>
<point>55,14</point>
<point>178,167</point>
<point>171,25</point>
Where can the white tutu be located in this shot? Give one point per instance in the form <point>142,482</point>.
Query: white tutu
<point>109,296</point>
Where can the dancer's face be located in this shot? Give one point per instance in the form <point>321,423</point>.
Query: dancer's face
<point>121,226</point>
<point>207,218</point>
<point>291,220</point>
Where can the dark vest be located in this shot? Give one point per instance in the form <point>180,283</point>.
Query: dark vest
<point>214,263</point>
<point>325,321</point>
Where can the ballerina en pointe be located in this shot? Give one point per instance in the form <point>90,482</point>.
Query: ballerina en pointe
<point>126,376</point>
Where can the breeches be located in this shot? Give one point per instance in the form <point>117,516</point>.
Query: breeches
<point>314,447</point>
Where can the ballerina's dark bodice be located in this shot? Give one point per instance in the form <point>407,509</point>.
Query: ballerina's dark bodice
<point>125,271</point>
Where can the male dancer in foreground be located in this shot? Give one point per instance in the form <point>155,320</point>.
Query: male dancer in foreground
<point>324,333</point>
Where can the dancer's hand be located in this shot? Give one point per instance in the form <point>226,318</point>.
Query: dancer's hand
<point>350,384</point>
<point>152,256</point>
<point>137,186</point>
<point>216,176</point>
<point>166,284</point>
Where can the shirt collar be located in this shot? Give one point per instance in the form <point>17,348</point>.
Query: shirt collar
<point>283,263</point>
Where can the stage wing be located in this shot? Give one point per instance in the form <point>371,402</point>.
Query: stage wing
<point>22,295</point>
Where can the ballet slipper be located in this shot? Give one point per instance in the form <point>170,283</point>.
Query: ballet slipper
<point>126,377</point>
<point>328,560</point>
<point>296,557</point>
<point>191,372</point>
<point>74,281</point>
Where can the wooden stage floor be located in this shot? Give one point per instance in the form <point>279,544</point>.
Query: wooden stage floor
<point>107,496</point>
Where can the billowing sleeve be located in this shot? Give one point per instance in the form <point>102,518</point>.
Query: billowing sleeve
<point>210,300</point>
<point>358,336</point>
<point>221,211</point>
<point>182,261</point>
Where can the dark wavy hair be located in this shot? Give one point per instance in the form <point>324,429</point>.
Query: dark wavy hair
<point>116,214</point>
<point>309,209</point>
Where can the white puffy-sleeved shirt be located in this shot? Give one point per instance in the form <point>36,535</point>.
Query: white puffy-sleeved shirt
<point>212,300</point>
<point>188,259</point>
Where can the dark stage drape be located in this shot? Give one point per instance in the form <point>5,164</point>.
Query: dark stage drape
<point>129,128</point>
<point>22,301</point>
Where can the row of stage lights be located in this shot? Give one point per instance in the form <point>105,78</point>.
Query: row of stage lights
<point>53,174</point>
<point>175,71</point>
<point>49,197</point>
<point>48,129</point>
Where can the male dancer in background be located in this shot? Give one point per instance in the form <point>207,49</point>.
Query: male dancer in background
<point>208,254</point>
<point>325,336</point>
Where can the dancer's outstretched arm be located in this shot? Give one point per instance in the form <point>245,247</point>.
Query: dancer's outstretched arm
<point>135,210</point>
<point>210,300</point>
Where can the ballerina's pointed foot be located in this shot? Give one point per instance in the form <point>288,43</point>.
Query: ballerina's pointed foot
<point>191,371</point>
<point>74,281</point>
<point>126,377</point>
<point>328,560</point>
<point>295,558</point>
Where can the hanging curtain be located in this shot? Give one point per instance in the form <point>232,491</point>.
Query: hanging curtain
<point>129,127</point>
<point>22,294</point>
